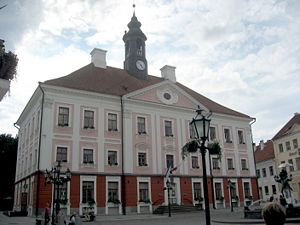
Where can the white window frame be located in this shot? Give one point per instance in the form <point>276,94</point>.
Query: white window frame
<point>198,162</point>
<point>172,127</point>
<point>82,205</point>
<point>143,204</point>
<point>216,132</point>
<point>68,152</point>
<point>116,113</point>
<point>82,155</point>
<point>113,150</point>
<point>174,159</point>
<point>69,117</point>
<point>94,119</point>
<point>197,180</point>
<point>137,127</point>
<point>230,135</point>
<point>227,165</point>
<point>246,162</point>
<point>243,136</point>
<point>137,158</point>
<point>250,188</point>
<point>109,204</point>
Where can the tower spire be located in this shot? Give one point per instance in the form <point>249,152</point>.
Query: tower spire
<point>135,52</point>
<point>133,9</point>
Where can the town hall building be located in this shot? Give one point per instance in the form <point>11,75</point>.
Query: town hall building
<point>118,130</point>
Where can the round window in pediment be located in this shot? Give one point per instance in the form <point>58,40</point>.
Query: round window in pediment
<point>167,96</point>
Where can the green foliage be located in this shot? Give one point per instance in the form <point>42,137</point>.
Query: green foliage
<point>214,148</point>
<point>8,66</point>
<point>189,147</point>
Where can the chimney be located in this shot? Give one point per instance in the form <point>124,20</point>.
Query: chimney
<point>168,72</point>
<point>99,57</point>
<point>261,144</point>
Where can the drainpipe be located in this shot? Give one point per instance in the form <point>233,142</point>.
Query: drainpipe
<point>39,151</point>
<point>251,123</point>
<point>123,183</point>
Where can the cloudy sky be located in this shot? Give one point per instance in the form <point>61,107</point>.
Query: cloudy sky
<point>242,54</point>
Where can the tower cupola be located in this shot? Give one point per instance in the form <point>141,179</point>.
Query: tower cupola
<point>135,52</point>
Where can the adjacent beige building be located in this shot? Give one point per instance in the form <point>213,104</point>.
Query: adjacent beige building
<point>287,150</point>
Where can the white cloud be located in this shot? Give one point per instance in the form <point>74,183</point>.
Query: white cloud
<point>242,54</point>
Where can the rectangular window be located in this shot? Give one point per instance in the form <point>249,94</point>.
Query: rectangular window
<point>61,154</point>
<point>195,164</point>
<point>113,195</point>
<point>271,170</point>
<point>212,133</point>
<point>266,190</point>
<point>88,119</point>
<point>227,135</point>
<point>274,189</point>
<point>87,191</point>
<point>247,190</point>
<point>264,172</point>
<point>288,146</point>
<point>197,191</point>
<point>215,164</point>
<point>230,164</point>
<point>290,161</point>
<point>63,116</point>
<point>144,192</point>
<point>168,128</point>
<point>218,190</point>
<point>112,158</point>
<point>141,123</point>
<point>298,163</point>
<point>295,143</point>
<point>170,161</point>
<point>241,137</point>
<point>244,164</point>
<point>88,156</point>
<point>112,122</point>
<point>280,146</point>
<point>142,158</point>
<point>258,173</point>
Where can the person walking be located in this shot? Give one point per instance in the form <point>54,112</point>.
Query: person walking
<point>274,214</point>
<point>47,214</point>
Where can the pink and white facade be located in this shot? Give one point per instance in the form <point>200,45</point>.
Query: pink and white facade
<point>118,134</point>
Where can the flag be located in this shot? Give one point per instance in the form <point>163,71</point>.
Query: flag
<point>169,172</point>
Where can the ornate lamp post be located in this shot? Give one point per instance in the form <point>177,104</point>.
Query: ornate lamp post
<point>231,187</point>
<point>54,177</point>
<point>200,125</point>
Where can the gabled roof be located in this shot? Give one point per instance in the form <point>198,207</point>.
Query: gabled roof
<point>266,153</point>
<point>287,127</point>
<point>115,81</point>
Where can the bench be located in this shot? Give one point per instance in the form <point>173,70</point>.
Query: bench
<point>39,221</point>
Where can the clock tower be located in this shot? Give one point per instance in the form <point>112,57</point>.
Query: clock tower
<point>135,52</point>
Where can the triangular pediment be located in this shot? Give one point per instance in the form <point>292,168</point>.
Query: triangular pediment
<point>166,93</point>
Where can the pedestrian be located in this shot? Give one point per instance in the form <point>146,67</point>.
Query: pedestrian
<point>273,214</point>
<point>72,219</point>
<point>47,214</point>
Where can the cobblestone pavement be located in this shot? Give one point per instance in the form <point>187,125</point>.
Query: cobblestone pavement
<point>218,217</point>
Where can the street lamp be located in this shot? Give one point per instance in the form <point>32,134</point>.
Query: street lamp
<point>54,177</point>
<point>200,125</point>
<point>231,187</point>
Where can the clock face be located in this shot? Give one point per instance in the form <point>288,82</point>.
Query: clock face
<point>140,65</point>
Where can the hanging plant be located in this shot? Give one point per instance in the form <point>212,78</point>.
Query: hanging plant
<point>214,148</point>
<point>190,147</point>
